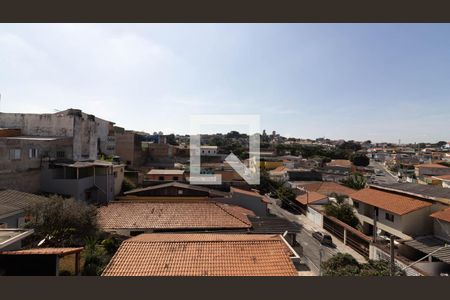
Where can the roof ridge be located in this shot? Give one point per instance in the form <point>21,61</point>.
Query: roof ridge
<point>222,206</point>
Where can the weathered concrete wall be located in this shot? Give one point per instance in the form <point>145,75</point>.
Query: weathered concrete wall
<point>39,124</point>
<point>86,130</point>
<point>26,181</point>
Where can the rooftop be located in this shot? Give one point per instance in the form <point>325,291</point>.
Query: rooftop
<point>428,244</point>
<point>202,255</point>
<point>395,203</point>
<point>443,215</point>
<point>172,216</point>
<point>211,192</point>
<point>12,201</point>
<point>325,187</point>
<point>44,251</point>
<point>443,177</point>
<point>11,235</point>
<point>431,166</point>
<point>165,172</point>
<point>340,163</point>
<point>249,193</point>
<point>431,192</point>
<point>310,197</point>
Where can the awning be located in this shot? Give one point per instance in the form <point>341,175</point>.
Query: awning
<point>429,244</point>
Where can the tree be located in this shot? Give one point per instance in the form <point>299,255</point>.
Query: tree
<point>355,181</point>
<point>343,212</point>
<point>360,160</point>
<point>62,222</point>
<point>343,264</point>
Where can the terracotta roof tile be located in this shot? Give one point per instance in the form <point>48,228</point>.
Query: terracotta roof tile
<point>431,166</point>
<point>327,188</point>
<point>170,215</point>
<point>397,204</point>
<point>249,193</point>
<point>443,177</point>
<point>202,255</point>
<point>443,215</point>
<point>44,251</point>
<point>310,197</point>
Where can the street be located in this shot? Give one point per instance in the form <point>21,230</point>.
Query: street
<point>310,246</point>
<point>386,177</point>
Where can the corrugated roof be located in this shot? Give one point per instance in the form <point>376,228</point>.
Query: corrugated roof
<point>428,244</point>
<point>395,203</point>
<point>202,255</point>
<point>14,201</point>
<point>171,215</point>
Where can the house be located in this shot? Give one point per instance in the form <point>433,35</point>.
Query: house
<point>208,150</point>
<point>90,134</point>
<point>324,187</point>
<point>93,181</point>
<point>13,205</point>
<point>21,158</point>
<point>161,175</point>
<point>250,200</point>
<point>443,179</point>
<point>158,152</point>
<point>441,224</point>
<point>309,198</point>
<point>129,147</point>
<point>136,217</point>
<point>424,171</point>
<point>203,255</point>
<point>384,213</point>
<point>279,174</point>
<point>304,175</point>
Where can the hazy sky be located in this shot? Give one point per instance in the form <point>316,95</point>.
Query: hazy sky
<point>381,82</point>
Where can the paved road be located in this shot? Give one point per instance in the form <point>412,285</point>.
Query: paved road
<point>387,177</point>
<point>311,246</point>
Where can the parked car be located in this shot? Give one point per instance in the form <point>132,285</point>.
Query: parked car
<point>323,238</point>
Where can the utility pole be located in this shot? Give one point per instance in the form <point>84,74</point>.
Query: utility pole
<point>320,260</point>
<point>392,250</point>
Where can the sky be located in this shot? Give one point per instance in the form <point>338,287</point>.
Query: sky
<point>378,82</point>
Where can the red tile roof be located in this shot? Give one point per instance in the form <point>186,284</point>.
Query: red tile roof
<point>44,251</point>
<point>397,204</point>
<point>170,215</point>
<point>202,255</point>
<point>443,177</point>
<point>310,197</point>
<point>431,166</point>
<point>249,193</point>
<point>443,215</point>
<point>327,188</point>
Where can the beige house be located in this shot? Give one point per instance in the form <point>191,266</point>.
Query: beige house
<point>383,213</point>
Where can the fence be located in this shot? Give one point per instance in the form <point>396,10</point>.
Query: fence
<point>348,235</point>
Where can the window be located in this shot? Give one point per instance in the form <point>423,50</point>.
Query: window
<point>33,153</point>
<point>356,204</point>
<point>161,177</point>
<point>115,174</point>
<point>390,217</point>
<point>60,154</point>
<point>14,154</point>
<point>175,177</point>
